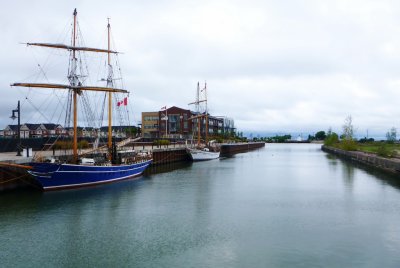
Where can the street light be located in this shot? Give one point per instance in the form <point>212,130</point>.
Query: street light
<point>181,118</point>
<point>13,116</point>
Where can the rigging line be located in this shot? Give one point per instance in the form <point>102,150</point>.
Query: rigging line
<point>118,108</point>
<point>46,106</point>
<point>83,57</point>
<point>69,110</point>
<point>61,113</point>
<point>44,116</point>
<point>102,117</point>
<point>88,110</point>
<point>44,74</point>
<point>117,63</point>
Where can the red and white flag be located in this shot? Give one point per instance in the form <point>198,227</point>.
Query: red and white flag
<point>123,102</point>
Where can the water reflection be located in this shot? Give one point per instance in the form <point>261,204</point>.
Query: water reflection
<point>282,206</point>
<point>349,167</point>
<point>157,169</point>
<point>385,177</point>
<point>348,175</point>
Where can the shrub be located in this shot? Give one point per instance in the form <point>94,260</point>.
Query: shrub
<point>83,144</point>
<point>349,145</point>
<point>384,151</point>
<point>331,139</point>
<point>161,142</point>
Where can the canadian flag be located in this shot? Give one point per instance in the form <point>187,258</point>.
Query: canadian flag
<point>123,102</point>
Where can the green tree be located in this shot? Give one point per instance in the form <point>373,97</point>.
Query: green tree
<point>331,139</point>
<point>320,135</point>
<point>348,128</point>
<point>348,142</point>
<point>391,135</point>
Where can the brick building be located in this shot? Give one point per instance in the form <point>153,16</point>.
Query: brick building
<point>180,123</point>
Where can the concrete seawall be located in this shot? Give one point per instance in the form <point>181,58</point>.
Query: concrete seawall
<point>234,148</point>
<point>372,160</point>
<point>169,155</point>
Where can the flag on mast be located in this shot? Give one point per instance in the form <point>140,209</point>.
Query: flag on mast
<point>123,102</point>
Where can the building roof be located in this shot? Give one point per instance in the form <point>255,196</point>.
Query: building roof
<point>117,128</point>
<point>13,127</point>
<point>50,126</point>
<point>32,126</point>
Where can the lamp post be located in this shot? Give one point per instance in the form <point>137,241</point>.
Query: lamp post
<point>181,118</point>
<point>166,122</point>
<point>18,111</point>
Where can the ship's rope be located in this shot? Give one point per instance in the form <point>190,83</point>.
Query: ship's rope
<point>13,179</point>
<point>18,178</point>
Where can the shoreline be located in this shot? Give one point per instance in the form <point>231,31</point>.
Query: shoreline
<point>391,165</point>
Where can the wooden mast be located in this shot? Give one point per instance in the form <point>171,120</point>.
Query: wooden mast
<point>74,84</point>
<point>109,84</point>
<point>75,103</point>
<point>198,130</point>
<point>205,94</point>
<point>199,116</point>
<point>198,110</point>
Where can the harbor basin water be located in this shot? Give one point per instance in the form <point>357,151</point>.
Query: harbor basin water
<point>285,205</point>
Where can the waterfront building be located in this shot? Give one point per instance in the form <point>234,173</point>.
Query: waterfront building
<point>150,122</point>
<point>28,130</point>
<point>179,123</point>
<point>33,131</point>
<point>228,125</point>
<point>173,122</point>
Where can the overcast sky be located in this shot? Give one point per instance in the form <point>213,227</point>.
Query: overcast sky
<point>290,66</point>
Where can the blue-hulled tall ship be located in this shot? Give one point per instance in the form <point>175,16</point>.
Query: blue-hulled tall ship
<point>79,171</point>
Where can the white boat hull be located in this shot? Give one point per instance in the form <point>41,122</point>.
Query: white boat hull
<point>200,155</point>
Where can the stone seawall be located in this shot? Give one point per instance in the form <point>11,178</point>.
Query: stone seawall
<point>372,160</point>
<point>234,148</point>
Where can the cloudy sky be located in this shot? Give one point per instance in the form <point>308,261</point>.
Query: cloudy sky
<point>273,66</point>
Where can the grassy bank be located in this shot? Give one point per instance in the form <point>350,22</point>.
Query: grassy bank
<point>383,149</point>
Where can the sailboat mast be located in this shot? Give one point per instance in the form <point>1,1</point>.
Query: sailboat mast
<point>205,95</point>
<point>109,84</point>
<point>73,81</point>
<point>198,112</point>
<point>75,86</point>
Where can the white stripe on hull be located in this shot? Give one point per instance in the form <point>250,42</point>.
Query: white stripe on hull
<point>90,183</point>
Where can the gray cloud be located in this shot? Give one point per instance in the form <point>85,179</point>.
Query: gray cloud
<point>270,67</point>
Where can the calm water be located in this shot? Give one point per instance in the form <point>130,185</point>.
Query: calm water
<point>282,206</point>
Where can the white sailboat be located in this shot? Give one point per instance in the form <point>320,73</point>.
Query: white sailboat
<point>202,153</point>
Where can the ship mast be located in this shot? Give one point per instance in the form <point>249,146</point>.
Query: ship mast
<point>73,78</point>
<point>199,116</point>
<point>109,84</point>
<point>198,111</point>
<point>206,113</point>
<point>75,85</point>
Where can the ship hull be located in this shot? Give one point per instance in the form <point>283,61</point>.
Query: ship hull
<point>65,176</point>
<point>200,155</point>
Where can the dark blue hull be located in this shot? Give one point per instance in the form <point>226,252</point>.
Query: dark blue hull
<point>61,176</point>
